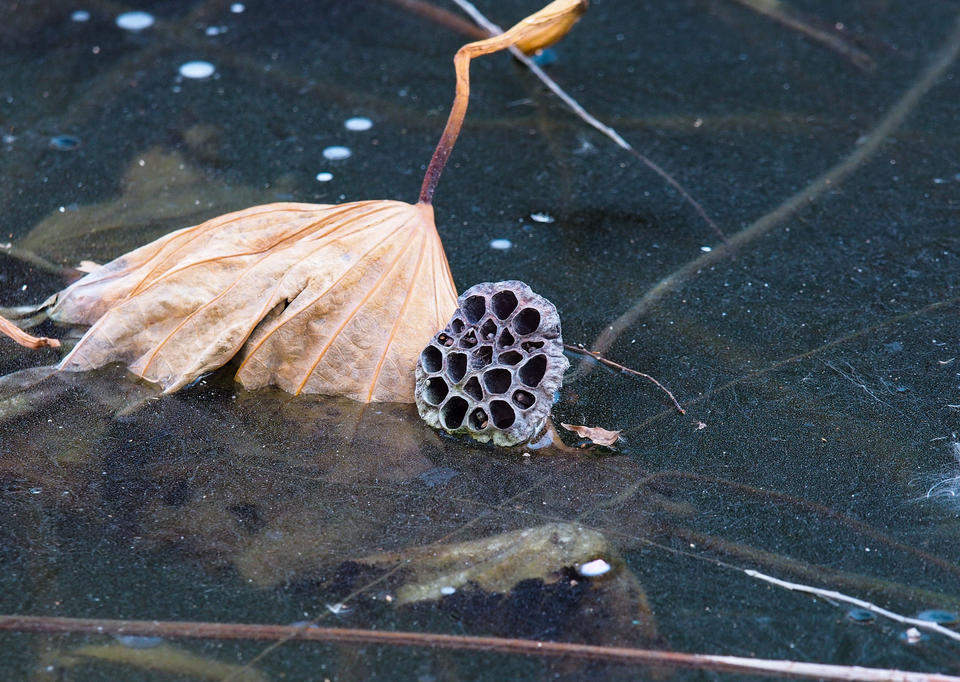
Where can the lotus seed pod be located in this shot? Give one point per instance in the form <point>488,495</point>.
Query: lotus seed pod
<point>492,372</point>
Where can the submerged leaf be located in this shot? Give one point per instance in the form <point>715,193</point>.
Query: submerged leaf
<point>311,298</point>
<point>495,564</point>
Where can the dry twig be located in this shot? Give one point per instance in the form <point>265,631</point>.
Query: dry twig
<point>866,148</point>
<point>616,365</point>
<point>523,647</point>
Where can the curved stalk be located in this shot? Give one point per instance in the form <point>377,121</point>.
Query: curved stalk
<point>533,33</point>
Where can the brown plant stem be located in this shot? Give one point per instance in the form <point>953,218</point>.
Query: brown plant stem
<point>827,181</point>
<point>589,118</point>
<point>824,511</point>
<point>461,65</point>
<point>8,328</point>
<point>807,571</point>
<point>783,14</point>
<point>522,647</point>
<point>616,365</point>
<point>440,16</point>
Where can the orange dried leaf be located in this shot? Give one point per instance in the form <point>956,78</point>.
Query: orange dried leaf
<point>549,25</point>
<point>312,298</point>
<point>594,433</point>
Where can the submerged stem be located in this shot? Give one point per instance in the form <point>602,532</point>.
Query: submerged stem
<point>535,32</point>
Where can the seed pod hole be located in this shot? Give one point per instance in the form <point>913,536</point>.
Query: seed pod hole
<point>506,339</point>
<point>468,340</point>
<point>526,321</point>
<point>482,357</point>
<point>472,388</point>
<point>523,399</point>
<point>531,346</point>
<point>432,359</point>
<point>503,303</point>
<point>488,330</point>
<point>456,325</point>
<point>497,380</point>
<point>453,412</point>
<point>435,390</point>
<point>478,419</point>
<point>444,339</point>
<point>457,366</point>
<point>502,414</point>
<point>511,357</point>
<point>532,372</point>
<point>474,308</point>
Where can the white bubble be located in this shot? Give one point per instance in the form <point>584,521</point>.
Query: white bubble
<point>80,15</point>
<point>447,590</point>
<point>135,21</point>
<point>197,69</point>
<point>215,30</point>
<point>938,181</point>
<point>541,217</point>
<point>706,249</point>
<point>237,7</point>
<point>358,123</point>
<point>324,177</point>
<point>337,153</point>
<point>594,568</point>
<point>501,244</point>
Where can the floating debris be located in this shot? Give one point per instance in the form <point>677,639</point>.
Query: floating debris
<point>64,143</point>
<point>541,217</point>
<point>135,21</point>
<point>197,69</point>
<point>500,244</point>
<point>939,617</point>
<point>215,30</point>
<point>80,16</point>
<point>324,176</point>
<point>338,609</point>
<point>939,181</point>
<point>592,569</point>
<point>861,616</point>
<point>358,123</point>
<point>337,153</point>
<point>237,8</point>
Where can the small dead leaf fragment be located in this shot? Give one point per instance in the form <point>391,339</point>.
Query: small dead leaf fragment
<point>595,433</point>
<point>87,266</point>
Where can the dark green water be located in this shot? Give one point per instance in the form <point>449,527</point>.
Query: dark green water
<point>217,504</point>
